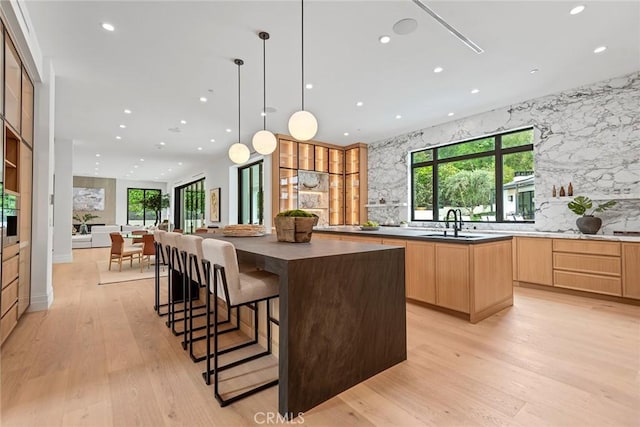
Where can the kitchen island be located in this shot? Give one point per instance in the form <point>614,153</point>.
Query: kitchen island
<point>469,276</point>
<point>342,313</point>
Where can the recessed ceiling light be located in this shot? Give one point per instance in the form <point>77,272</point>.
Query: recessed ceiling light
<point>97,163</point>
<point>96,173</point>
<point>199,148</point>
<point>405,26</point>
<point>384,39</point>
<point>576,10</point>
<point>599,49</point>
<point>474,91</point>
<point>438,69</point>
<point>533,71</point>
<point>228,130</point>
<point>263,114</point>
<point>184,122</point>
<point>162,143</point>
<point>130,172</point>
<point>179,163</point>
<point>309,86</point>
<point>135,166</point>
<point>359,104</point>
<point>108,27</point>
<point>203,99</point>
<point>123,126</point>
<point>450,114</point>
<point>95,169</point>
<point>398,116</point>
<point>118,137</point>
<point>170,169</point>
<point>127,111</point>
<point>142,160</point>
<point>156,178</point>
<point>162,174</point>
<point>97,155</point>
<point>212,140</point>
<point>346,134</point>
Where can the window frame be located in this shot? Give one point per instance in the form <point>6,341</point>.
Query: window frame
<point>144,196</point>
<point>498,154</point>
<point>241,185</point>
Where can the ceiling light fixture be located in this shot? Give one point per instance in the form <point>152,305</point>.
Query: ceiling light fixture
<point>384,39</point>
<point>264,141</point>
<point>162,143</point>
<point>303,125</point>
<point>170,170</point>
<point>127,111</point>
<point>142,160</point>
<point>438,69</point>
<point>135,166</point>
<point>212,140</point>
<point>200,149</point>
<point>97,163</point>
<point>228,130</point>
<point>576,10</point>
<point>405,26</point>
<point>600,49</point>
<point>470,44</point>
<point>184,122</point>
<point>309,86</point>
<point>123,126</point>
<point>346,134</point>
<point>238,152</point>
<point>179,163</point>
<point>533,71</point>
<point>203,99</point>
<point>450,114</point>
<point>398,116</point>
<point>474,91</point>
<point>108,27</point>
<point>118,137</point>
<point>359,104</point>
<point>97,155</point>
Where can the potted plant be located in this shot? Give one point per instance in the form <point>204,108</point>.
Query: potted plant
<point>295,225</point>
<point>588,223</point>
<point>156,202</point>
<point>83,219</point>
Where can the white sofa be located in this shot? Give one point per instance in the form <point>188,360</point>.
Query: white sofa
<point>129,228</point>
<point>81,241</point>
<point>100,235</point>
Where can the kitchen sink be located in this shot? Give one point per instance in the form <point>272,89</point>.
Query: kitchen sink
<point>451,236</point>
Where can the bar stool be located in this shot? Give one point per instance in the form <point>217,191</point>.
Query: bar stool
<point>239,288</point>
<point>160,259</point>
<point>171,242</point>
<point>192,245</point>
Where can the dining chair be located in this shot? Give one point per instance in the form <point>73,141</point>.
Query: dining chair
<point>148,249</point>
<point>119,251</point>
<point>238,288</point>
<point>138,240</point>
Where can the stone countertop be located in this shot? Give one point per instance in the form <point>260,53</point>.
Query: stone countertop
<point>487,235</point>
<point>423,234</point>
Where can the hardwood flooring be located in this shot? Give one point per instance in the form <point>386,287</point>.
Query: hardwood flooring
<point>101,357</point>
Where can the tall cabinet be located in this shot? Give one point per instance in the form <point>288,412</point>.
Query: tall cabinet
<point>325,179</point>
<point>17,96</point>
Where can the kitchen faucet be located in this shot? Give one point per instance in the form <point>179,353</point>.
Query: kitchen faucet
<point>457,221</point>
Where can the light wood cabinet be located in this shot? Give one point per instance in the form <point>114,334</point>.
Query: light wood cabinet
<point>26,190</point>
<point>452,276</point>
<point>361,239</point>
<point>582,246</point>
<point>535,262</point>
<point>12,85</point>
<point>27,109</point>
<point>631,270</point>
<point>10,267</point>
<point>420,271</point>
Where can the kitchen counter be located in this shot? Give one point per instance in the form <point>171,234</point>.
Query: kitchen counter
<point>466,237</point>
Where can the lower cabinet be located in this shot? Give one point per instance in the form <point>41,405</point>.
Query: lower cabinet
<point>631,270</point>
<point>10,290</point>
<point>420,271</point>
<point>535,261</point>
<point>452,276</point>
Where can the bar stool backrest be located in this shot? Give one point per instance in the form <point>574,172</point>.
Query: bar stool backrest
<point>224,254</point>
<point>193,246</point>
<point>172,240</point>
<point>158,236</point>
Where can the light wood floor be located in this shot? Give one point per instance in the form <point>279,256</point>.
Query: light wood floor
<point>100,356</point>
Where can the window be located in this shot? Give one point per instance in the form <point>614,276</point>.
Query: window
<point>250,197</point>
<point>488,179</point>
<point>137,212</point>
<point>189,209</point>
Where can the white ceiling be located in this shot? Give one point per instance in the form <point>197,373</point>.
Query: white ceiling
<point>164,55</point>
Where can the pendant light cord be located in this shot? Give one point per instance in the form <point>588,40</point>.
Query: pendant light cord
<point>302,43</point>
<point>238,101</point>
<point>264,84</point>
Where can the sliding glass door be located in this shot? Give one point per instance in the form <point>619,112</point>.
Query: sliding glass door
<point>189,208</point>
<point>250,194</point>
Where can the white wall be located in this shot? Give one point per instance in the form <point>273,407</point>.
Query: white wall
<point>63,208</point>
<point>121,195</point>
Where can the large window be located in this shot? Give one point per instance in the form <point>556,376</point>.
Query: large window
<point>250,197</point>
<point>137,212</point>
<point>488,179</point>
<point>189,209</point>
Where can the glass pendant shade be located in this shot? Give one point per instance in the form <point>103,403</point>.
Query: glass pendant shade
<point>303,125</point>
<point>239,153</point>
<point>264,142</point>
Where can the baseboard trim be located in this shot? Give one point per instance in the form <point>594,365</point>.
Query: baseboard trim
<point>63,258</point>
<point>40,302</point>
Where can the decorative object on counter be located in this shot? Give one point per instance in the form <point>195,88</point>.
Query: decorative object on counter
<point>553,191</point>
<point>404,224</point>
<point>303,125</point>
<point>83,219</point>
<point>238,152</point>
<point>382,201</point>
<point>370,226</point>
<point>243,230</point>
<point>562,192</point>
<point>587,223</point>
<point>570,190</point>
<point>264,141</point>
<point>295,226</point>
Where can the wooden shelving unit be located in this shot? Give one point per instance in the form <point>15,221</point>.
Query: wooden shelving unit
<point>11,161</point>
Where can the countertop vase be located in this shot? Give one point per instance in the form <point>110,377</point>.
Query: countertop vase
<point>294,229</point>
<point>589,224</point>
<point>84,229</point>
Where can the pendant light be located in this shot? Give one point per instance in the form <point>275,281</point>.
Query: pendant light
<point>238,152</point>
<point>264,141</point>
<point>302,124</point>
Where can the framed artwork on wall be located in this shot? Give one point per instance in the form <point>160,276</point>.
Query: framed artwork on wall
<point>214,209</point>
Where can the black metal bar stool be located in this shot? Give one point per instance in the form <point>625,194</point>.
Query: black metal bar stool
<point>238,288</point>
<point>160,260</point>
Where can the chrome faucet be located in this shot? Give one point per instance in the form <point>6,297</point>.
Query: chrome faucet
<point>457,221</point>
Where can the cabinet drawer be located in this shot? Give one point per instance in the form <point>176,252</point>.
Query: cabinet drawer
<point>586,247</point>
<point>10,270</point>
<point>609,265</point>
<point>9,296</point>
<point>10,251</point>
<point>588,282</point>
<point>8,322</point>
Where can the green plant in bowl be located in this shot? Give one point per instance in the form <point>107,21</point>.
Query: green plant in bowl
<point>370,225</point>
<point>588,223</point>
<point>297,213</point>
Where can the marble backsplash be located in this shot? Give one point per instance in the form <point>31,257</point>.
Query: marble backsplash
<point>589,136</point>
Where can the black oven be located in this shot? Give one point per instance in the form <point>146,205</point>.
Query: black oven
<point>10,215</point>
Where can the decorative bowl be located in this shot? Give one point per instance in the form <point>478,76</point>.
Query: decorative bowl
<point>367,228</point>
